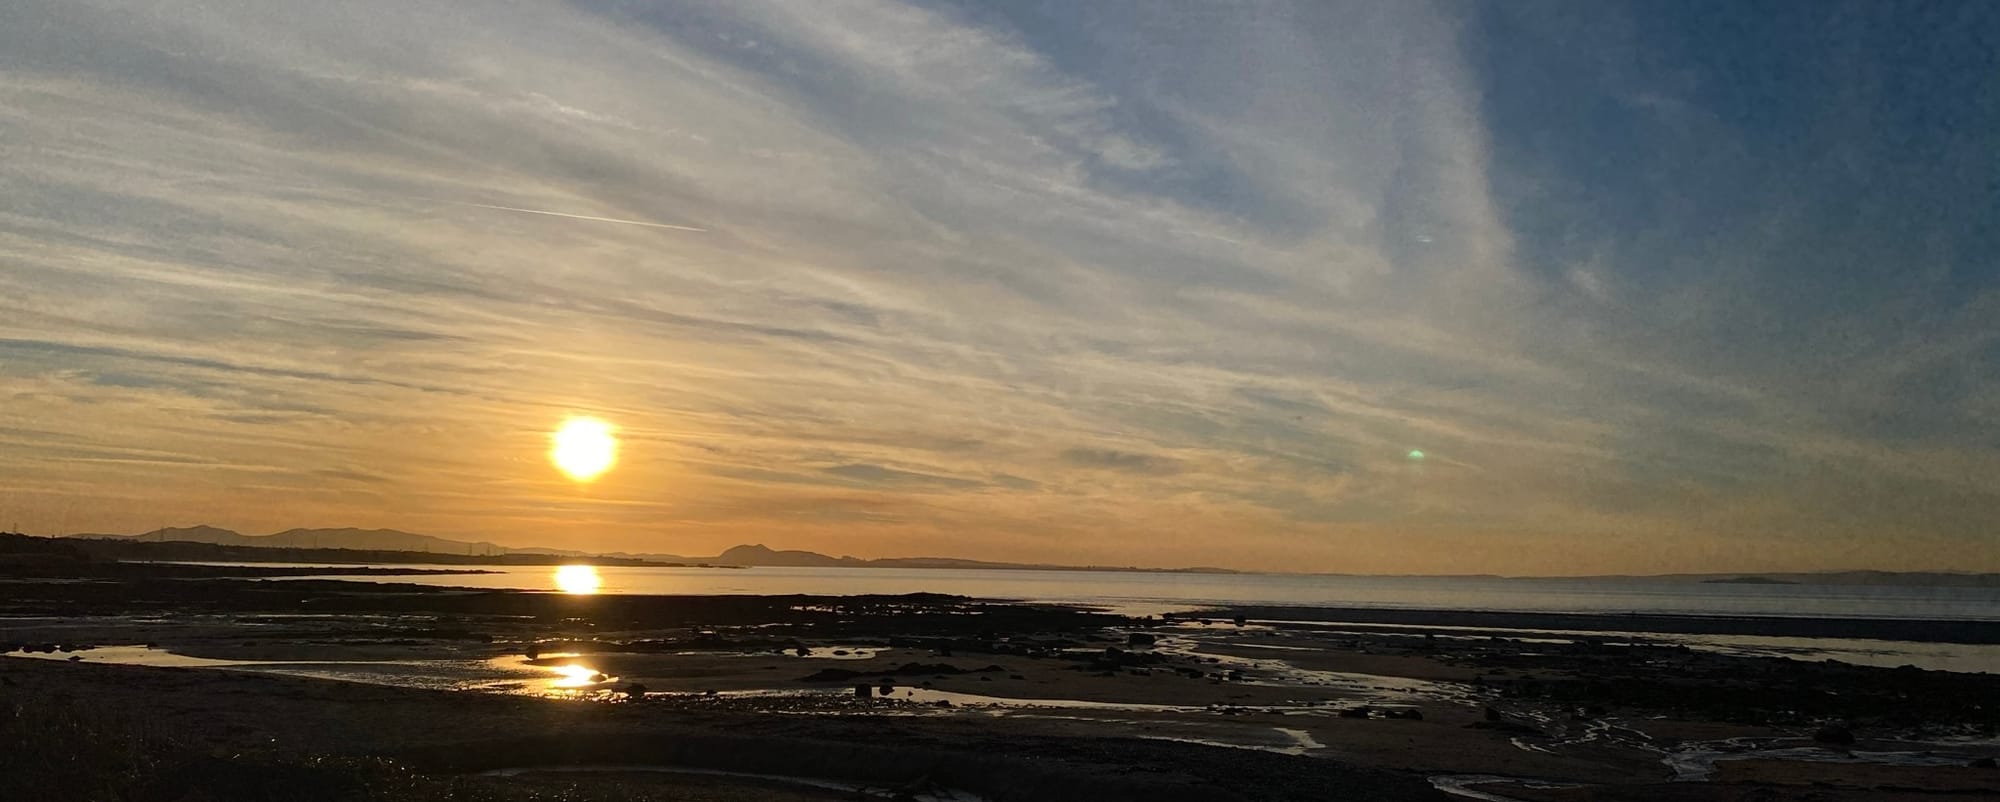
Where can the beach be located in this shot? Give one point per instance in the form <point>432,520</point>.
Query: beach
<point>987,699</point>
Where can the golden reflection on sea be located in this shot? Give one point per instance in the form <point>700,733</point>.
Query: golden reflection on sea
<point>579,579</point>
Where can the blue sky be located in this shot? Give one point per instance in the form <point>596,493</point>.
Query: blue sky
<point>1653,287</point>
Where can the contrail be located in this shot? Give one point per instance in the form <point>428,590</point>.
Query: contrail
<point>581,216</point>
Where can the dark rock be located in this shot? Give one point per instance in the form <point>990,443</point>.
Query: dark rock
<point>1984,763</point>
<point>1834,734</point>
<point>1141,639</point>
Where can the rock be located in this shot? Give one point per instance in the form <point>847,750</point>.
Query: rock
<point>1984,763</point>
<point>1141,639</point>
<point>1357,712</point>
<point>802,651</point>
<point>635,689</point>
<point>864,691</point>
<point>1834,734</point>
<point>1493,714</point>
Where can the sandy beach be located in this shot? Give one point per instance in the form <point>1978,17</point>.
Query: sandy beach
<point>989,700</point>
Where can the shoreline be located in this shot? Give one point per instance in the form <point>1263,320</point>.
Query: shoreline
<point>1915,630</point>
<point>986,696</point>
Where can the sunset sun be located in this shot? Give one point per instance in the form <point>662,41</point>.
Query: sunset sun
<point>583,448</point>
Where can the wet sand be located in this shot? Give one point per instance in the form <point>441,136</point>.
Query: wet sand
<point>978,695</point>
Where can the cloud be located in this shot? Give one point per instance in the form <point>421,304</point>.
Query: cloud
<point>585,217</point>
<point>1125,461</point>
<point>977,284</point>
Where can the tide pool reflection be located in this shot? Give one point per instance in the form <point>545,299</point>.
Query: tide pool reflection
<point>578,579</point>
<point>575,676</point>
<point>564,670</point>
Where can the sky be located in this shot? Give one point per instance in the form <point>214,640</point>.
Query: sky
<point>1651,287</point>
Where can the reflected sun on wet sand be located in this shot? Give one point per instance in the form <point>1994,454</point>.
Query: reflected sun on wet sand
<point>575,676</point>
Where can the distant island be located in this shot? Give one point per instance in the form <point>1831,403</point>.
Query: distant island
<point>390,546</point>
<point>210,543</point>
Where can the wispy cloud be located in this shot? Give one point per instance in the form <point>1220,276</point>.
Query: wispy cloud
<point>582,217</point>
<point>1048,284</point>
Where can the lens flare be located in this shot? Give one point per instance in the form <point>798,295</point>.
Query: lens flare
<point>583,448</point>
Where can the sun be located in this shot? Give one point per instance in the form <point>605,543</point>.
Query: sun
<point>583,448</point>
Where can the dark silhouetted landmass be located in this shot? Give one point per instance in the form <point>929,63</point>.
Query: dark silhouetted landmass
<point>184,551</point>
<point>294,545</point>
<point>389,545</point>
<point>27,556</point>
<point>347,538</point>
<point>760,554</point>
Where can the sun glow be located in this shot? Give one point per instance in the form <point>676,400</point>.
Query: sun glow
<point>575,676</point>
<point>583,448</point>
<point>579,579</point>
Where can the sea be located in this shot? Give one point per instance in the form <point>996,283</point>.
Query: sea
<point>1139,593</point>
<point>1146,593</point>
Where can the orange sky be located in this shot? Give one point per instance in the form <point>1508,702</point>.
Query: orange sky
<point>882,279</point>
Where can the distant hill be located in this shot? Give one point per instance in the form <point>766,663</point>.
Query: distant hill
<point>761,554</point>
<point>346,538</point>
<point>1913,579</point>
<point>391,540</point>
<point>130,549</point>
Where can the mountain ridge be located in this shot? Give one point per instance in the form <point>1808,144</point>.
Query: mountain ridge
<point>756,554</point>
<point>761,555</point>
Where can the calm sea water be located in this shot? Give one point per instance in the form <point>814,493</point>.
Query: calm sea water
<point>1141,593</point>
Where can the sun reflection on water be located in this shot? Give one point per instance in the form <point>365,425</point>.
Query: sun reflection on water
<point>576,676</point>
<point>578,579</point>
